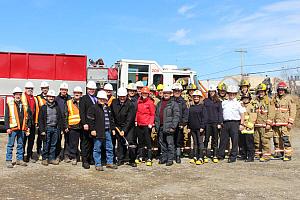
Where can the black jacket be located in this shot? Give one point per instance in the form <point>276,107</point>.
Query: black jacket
<point>96,120</point>
<point>20,114</point>
<point>183,110</point>
<point>171,116</point>
<point>85,104</point>
<point>43,118</point>
<point>214,111</point>
<point>197,117</point>
<point>123,115</point>
<point>62,102</point>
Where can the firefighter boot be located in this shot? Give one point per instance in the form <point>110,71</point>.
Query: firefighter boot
<point>178,154</point>
<point>215,159</point>
<point>193,160</point>
<point>199,162</point>
<point>205,159</point>
<point>287,158</point>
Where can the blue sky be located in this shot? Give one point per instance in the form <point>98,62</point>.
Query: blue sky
<point>200,34</point>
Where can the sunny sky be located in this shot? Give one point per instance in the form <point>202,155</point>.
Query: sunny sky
<point>202,35</point>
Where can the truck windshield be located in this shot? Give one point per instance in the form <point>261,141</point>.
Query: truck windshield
<point>138,73</point>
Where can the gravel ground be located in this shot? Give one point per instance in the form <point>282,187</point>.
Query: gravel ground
<point>272,180</point>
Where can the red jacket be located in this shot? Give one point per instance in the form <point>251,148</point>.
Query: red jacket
<point>145,112</point>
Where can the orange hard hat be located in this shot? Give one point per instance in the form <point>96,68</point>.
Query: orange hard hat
<point>145,90</point>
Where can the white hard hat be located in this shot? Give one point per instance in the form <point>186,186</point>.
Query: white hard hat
<point>139,84</point>
<point>64,85</point>
<point>77,89</point>
<point>108,86</point>
<point>197,93</point>
<point>232,89</point>
<point>17,90</point>
<point>122,92</point>
<point>212,87</point>
<point>91,85</point>
<point>177,86</point>
<point>102,95</point>
<point>29,84</point>
<point>167,89</point>
<point>51,93</point>
<point>44,84</point>
<point>131,86</point>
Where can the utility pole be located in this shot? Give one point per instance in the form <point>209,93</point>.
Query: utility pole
<point>242,55</point>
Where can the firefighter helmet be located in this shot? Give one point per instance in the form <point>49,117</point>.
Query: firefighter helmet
<point>131,86</point>
<point>245,83</point>
<point>181,81</point>
<point>197,93</point>
<point>191,86</point>
<point>160,87</point>
<point>222,86</point>
<point>261,87</point>
<point>282,85</point>
<point>152,87</point>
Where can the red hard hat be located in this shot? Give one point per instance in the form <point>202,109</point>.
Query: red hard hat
<point>282,85</point>
<point>145,90</point>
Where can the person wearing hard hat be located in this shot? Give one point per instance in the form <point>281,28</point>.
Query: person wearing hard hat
<point>263,125</point>
<point>159,90</point>
<point>17,120</point>
<point>285,114</point>
<point>197,119</point>
<point>233,116</point>
<point>167,117</point>
<point>214,110</point>
<point>183,119</point>
<point>86,102</point>
<point>139,87</point>
<point>222,91</point>
<point>144,122</point>
<point>246,137</point>
<point>31,101</point>
<point>123,112</point>
<point>102,126</point>
<point>132,93</point>
<point>61,99</point>
<point>41,99</point>
<point>51,124</point>
<point>153,95</point>
<point>73,125</point>
<point>108,88</point>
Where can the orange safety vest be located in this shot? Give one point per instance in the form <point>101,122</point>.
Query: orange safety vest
<point>109,102</point>
<point>37,108</point>
<point>14,122</point>
<point>41,101</point>
<point>73,117</point>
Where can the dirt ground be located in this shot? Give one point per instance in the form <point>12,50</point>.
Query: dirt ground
<point>272,180</point>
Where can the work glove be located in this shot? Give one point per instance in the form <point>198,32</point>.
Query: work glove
<point>94,133</point>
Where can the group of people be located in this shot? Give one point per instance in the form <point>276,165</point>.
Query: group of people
<point>112,131</point>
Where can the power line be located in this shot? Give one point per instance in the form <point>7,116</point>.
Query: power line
<point>251,65</point>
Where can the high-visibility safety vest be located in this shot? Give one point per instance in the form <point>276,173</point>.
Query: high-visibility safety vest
<point>41,101</point>
<point>14,122</point>
<point>37,108</point>
<point>73,110</point>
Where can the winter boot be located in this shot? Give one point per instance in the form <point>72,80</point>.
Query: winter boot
<point>199,162</point>
<point>21,163</point>
<point>178,155</point>
<point>9,164</point>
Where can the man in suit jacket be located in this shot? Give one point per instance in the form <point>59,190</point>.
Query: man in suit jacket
<point>86,140</point>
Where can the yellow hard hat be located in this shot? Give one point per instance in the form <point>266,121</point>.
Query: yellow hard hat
<point>160,87</point>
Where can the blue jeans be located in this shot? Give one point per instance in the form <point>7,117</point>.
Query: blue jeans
<point>49,144</point>
<point>11,142</point>
<point>109,149</point>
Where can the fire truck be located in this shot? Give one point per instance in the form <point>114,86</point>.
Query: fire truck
<point>18,68</point>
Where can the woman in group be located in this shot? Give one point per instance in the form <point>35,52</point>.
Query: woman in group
<point>144,122</point>
<point>196,124</point>
<point>214,110</point>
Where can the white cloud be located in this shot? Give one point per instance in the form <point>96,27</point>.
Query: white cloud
<point>185,10</point>
<point>283,6</point>
<point>181,37</point>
